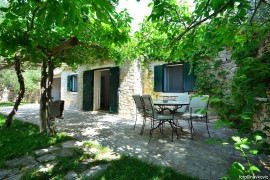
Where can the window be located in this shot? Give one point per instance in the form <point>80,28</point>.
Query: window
<point>173,75</point>
<point>173,78</point>
<point>72,83</point>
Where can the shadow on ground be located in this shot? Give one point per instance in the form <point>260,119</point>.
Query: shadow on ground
<point>193,157</point>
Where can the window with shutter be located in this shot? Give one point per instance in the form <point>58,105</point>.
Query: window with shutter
<point>158,78</point>
<point>174,78</point>
<point>72,83</point>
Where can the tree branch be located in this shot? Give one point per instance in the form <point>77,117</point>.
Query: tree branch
<point>255,10</point>
<point>206,5</point>
<point>63,46</point>
<point>33,18</point>
<point>7,66</point>
<point>222,8</point>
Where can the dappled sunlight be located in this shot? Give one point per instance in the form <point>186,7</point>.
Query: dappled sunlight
<point>183,154</point>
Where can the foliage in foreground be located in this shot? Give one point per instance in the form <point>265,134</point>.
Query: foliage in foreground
<point>23,138</point>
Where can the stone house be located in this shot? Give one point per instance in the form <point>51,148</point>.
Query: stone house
<point>109,87</point>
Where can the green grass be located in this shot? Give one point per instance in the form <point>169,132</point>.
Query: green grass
<point>24,138</point>
<point>2,104</point>
<point>132,168</point>
<point>125,168</point>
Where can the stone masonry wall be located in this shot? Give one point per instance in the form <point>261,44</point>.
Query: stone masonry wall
<point>130,83</point>
<point>228,65</point>
<point>263,115</point>
<point>70,98</point>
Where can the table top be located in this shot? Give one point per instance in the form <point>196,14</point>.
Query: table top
<point>170,103</point>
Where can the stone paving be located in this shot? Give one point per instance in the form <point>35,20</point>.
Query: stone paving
<point>44,160</point>
<point>193,157</point>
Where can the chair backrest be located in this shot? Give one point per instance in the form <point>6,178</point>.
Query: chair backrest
<point>138,102</point>
<point>198,104</point>
<point>148,105</point>
<point>184,98</point>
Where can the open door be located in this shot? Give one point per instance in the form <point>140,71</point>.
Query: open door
<point>88,82</point>
<point>114,85</point>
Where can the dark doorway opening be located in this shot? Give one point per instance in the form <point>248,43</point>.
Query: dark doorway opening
<point>105,90</point>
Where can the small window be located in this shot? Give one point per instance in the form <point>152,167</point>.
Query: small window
<point>72,83</point>
<point>173,78</point>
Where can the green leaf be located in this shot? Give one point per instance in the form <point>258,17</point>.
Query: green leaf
<point>245,116</point>
<point>254,168</point>
<point>10,16</point>
<point>236,138</point>
<point>3,9</point>
<point>224,178</point>
<point>234,172</point>
<point>238,166</point>
<point>258,137</point>
<point>244,146</point>
<point>253,151</point>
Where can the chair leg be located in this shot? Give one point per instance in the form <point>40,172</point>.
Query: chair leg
<point>135,120</point>
<point>173,130</point>
<point>191,128</point>
<point>151,131</point>
<point>144,120</point>
<point>206,120</point>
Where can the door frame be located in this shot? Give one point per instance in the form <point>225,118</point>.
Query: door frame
<point>96,87</point>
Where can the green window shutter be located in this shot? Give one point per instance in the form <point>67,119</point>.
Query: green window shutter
<point>158,78</point>
<point>88,93</point>
<point>189,79</point>
<point>69,83</point>
<point>114,85</point>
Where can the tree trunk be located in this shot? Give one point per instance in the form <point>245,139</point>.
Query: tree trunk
<point>43,97</point>
<point>50,120</point>
<point>20,93</point>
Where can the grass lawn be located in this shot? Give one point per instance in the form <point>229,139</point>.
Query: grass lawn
<point>2,104</point>
<point>24,138</point>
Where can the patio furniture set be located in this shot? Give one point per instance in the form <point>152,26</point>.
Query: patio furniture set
<point>170,108</point>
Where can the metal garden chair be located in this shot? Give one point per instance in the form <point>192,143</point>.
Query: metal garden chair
<point>156,118</point>
<point>197,109</point>
<point>139,106</point>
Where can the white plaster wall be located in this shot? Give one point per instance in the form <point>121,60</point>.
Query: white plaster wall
<point>70,98</point>
<point>56,89</point>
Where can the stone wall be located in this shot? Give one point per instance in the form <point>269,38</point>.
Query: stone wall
<point>148,79</point>
<point>228,65</point>
<point>265,46</point>
<point>70,98</point>
<point>130,83</point>
<point>263,115</point>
